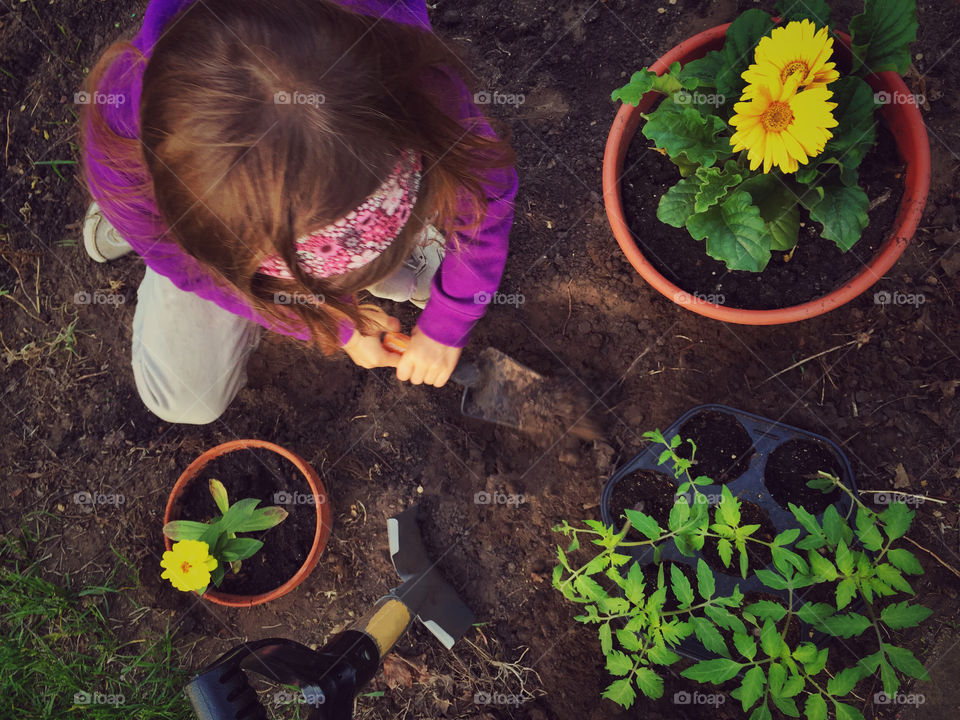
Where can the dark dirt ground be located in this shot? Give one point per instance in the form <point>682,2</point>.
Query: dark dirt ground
<point>71,419</point>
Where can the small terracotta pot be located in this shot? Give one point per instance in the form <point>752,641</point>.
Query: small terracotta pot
<point>904,121</point>
<point>321,503</point>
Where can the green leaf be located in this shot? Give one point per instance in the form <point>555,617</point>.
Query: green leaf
<point>728,509</point>
<point>650,683</point>
<point>888,678</point>
<point>713,671</point>
<point>675,630</point>
<point>706,583</point>
<point>787,536</point>
<point>767,610</point>
<point>724,618</point>
<point>734,233</point>
<point>855,132</point>
<point>777,676</point>
<point>845,680</point>
<point>738,50</point>
<point>846,590</point>
<point>778,209</point>
<point>745,645</point>
<point>808,521</point>
<point>682,129</point>
<point>681,586</point>
<point>751,689</point>
<point>761,713</point>
<point>643,81</point>
<point>700,73</point>
<point>725,550</point>
<point>263,519</point>
<point>844,558</point>
<point>881,35</point>
<point>618,663</point>
<point>606,639</point>
<point>896,520</point>
<point>239,549</point>
<point>714,184</point>
<point>628,640</point>
<point>845,626</point>
<point>816,708</point>
<point>660,655</point>
<point>906,662</point>
<point>834,527</point>
<point>709,636</point>
<point>771,579</point>
<point>219,493</point>
<point>892,577</point>
<point>677,205</point>
<point>813,613</point>
<point>822,568</point>
<point>867,529</point>
<point>770,639</point>
<point>621,692</point>
<point>787,705</point>
<point>816,10</point>
<point>841,210</point>
<point>679,514</point>
<point>589,588</point>
<point>846,712</point>
<point>805,653</point>
<point>238,513</point>
<point>903,615</point>
<point>185,530</point>
<point>905,560</point>
<point>634,587</point>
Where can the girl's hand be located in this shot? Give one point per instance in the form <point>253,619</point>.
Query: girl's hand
<point>426,361</point>
<point>366,350</point>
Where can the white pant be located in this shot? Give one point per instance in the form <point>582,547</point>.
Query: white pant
<point>190,355</point>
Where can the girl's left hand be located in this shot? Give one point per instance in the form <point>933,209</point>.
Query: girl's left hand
<point>426,361</point>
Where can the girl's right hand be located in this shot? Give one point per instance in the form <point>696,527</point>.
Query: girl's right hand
<point>367,350</point>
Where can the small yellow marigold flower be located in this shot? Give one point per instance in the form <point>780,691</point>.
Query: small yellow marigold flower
<point>188,564</point>
<point>797,50</point>
<point>780,126</point>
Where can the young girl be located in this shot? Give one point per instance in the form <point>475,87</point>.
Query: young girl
<point>270,159</point>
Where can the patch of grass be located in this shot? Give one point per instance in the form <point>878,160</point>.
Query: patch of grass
<point>59,657</point>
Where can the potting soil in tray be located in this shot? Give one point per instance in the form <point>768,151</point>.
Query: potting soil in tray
<point>815,269</point>
<point>274,480</point>
<point>778,464</point>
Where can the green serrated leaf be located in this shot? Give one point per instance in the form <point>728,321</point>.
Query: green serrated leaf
<point>841,210</point>
<point>905,560</point>
<point>778,209</point>
<point>734,233</point>
<point>606,639</point>
<point>660,655</point>
<point>678,128</point>
<point>896,520</point>
<point>621,692</point>
<point>815,708</point>
<point>813,613</point>
<point>833,525</point>
<point>845,680</point>
<point>855,133</point>
<point>822,568</point>
<point>745,645</point>
<point>725,550</point>
<point>845,626</point>
<point>846,712</point>
<point>771,579</point>
<point>893,577</point>
<point>881,35</point>
<point>767,610</point>
<point>713,671</point>
<point>904,615</point>
<point>706,583</point>
<point>724,618</point>
<point>708,635</point>
<point>770,640</point>
<point>644,81</point>
<point>618,663</point>
<point>867,529</point>
<point>714,184</point>
<point>751,689</point>
<point>676,205</point>
<point>589,588</point>
<point>846,590</point>
<point>649,682</point>
<point>681,586</point>
<point>906,662</point>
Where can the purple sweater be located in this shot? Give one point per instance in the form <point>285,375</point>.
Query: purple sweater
<point>452,309</point>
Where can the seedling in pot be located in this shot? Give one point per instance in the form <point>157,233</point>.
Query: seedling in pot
<point>642,623</point>
<point>202,549</point>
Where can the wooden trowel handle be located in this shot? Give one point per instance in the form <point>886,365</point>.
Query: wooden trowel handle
<point>465,373</point>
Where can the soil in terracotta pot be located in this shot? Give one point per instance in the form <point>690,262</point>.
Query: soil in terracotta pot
<point>258,473</point>
<point>792,465</point>
<point>724,447</point>
<point>815,269</point>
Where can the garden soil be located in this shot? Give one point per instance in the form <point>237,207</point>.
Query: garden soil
<point>72,421</point>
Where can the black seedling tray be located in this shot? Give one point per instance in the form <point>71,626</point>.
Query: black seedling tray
<point>767,435</point>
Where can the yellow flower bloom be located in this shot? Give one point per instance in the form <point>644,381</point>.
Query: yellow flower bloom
<point>780,126</point>
<point>187,566</point>
<point>797,50</point>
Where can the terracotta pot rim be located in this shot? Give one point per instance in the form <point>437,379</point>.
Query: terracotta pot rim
<point>323,517</point>
<point>912,142</point>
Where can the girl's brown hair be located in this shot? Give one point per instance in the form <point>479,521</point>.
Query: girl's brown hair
<point>263,120</point>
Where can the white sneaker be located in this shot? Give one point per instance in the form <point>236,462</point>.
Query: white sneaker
<point>100,238</point>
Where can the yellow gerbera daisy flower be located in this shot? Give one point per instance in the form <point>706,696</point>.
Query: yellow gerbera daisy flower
<point>188,564</point>
<point>780,126</point>
<point>797,50</point>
